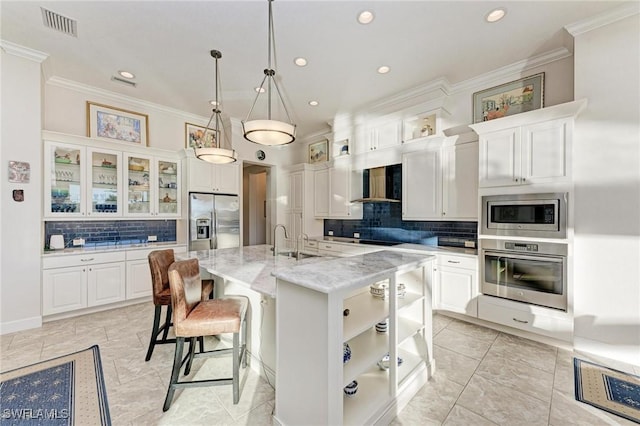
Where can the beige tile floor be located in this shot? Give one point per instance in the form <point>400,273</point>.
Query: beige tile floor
<point>483,377</point>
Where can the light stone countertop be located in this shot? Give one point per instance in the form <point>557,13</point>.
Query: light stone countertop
<point>403,246</point>
<point>346,273</point>
<point>111,247</point>
<point>252,266</point>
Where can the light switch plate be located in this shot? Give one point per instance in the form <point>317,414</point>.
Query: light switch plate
<point>78,242</point>
<point>330,233</point>
<point>152,238</point>
<point>470,244</point>
<point>356,235</point>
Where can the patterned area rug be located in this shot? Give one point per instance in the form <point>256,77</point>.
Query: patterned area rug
<point>68,390</point>
<point>607,389</point>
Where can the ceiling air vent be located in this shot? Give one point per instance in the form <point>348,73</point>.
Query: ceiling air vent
<point>59,23</point>
<point>123,81</point>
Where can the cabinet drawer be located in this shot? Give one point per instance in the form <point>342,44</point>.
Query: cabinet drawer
<point>82,259</point>
<point>329,246</point>
<point>457,261</point>
<point>520,316</point>
<point>312,244</point>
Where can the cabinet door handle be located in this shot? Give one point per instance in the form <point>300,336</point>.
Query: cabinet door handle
<point>444,213</point>
<point>523,179</point>
<point>520,321</point>
<point>516,179</point>
<point>453,261</point>
<point>87,260</point>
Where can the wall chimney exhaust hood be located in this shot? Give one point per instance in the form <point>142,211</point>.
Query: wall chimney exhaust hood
<point>382,185</point>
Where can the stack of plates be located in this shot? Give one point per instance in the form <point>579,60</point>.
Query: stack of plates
<point>382,326</point>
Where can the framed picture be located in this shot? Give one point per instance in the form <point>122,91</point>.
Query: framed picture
<point>115,124</point>
<point>508,99</point>
<point>195,136</point>
<point>19,171</point>
<point>318,152</point>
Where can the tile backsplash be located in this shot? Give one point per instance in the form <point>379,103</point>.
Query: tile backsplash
<point>106,232</point>
<point>383,221</point>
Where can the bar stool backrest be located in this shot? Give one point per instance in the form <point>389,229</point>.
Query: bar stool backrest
<point>159,262</point>
<point>186,290</point>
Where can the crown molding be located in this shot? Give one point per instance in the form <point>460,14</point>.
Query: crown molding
<point>90,90</point>
<point>493,77</point>
<point>605,18</point>
<point>435,89</point>
<point>23,52</point>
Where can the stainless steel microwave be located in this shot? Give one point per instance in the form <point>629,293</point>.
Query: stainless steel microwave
<point>525,215</point>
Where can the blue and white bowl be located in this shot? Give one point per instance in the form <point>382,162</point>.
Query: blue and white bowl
<point>383,364</point>
<point>382,326</point>
<point>346,353</point>
<point>351,389</point>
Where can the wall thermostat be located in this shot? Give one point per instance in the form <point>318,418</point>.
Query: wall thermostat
<point>260,155</point>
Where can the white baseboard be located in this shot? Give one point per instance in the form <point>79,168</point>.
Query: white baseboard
<point>628,354</point>
<point>20,325</point>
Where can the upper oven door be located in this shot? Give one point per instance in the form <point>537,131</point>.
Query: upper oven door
<point>526,215</point>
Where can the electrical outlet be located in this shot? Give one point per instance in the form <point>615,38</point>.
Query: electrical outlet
<point>330,233</point>
<point>470,244</point>
<point>356,235</point>
<point>78,242</point>
<point>152,238</point>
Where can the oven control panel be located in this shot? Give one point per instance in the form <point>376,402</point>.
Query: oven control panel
<point>521,246</point>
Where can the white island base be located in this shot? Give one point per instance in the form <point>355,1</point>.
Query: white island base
<point>311,330</point>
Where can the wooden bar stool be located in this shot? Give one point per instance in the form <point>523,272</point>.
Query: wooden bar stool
<point>194,317</point>
<point>159,262</point>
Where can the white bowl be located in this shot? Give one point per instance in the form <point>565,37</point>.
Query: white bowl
<point>351,389</point>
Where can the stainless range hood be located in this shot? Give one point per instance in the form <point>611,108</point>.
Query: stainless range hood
<point>382,185</point>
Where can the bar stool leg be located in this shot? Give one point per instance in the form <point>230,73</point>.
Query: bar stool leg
<point>243,353</point>
<point>177,362</point>
<point>154,331</point>
<point>167,322</point>
<point>192,349</point>
<point>236,368</point>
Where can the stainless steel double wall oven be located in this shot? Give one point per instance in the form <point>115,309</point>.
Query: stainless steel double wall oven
<point>530,271</point>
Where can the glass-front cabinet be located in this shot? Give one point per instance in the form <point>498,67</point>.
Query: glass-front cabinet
<point>105,183</point>
<point>64,180</point>
<point>153,186</point>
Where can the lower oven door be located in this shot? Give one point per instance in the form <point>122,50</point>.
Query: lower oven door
<point>540,280</point>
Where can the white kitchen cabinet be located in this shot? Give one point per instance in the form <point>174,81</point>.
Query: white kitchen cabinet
<point>299,208</point>
<point>334,188</point>
<point>321,193</point>
<point>456,284</point>
<point>319,359</point>
<point>80,281</point>
<point>153,186</point>
<point>528,148</point>
<point>380,135</point>
<point>207,177</point>
<point>440,182</point>
<point>81,181</point>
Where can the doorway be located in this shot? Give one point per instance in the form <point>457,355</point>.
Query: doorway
<point>256,214</point>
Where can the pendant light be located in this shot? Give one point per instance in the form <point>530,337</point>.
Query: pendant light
<point>269,131</point>
<point>216,154</point>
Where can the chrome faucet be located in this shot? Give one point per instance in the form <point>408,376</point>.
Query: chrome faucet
<point>301,236</point>
<point>275,251</point>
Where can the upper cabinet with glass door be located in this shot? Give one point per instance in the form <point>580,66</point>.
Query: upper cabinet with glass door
<point>105,183</point>
<point>64,180</point>
<point>153,186</point>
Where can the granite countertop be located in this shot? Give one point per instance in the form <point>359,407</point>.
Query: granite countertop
<point>107,247</point>
<point>346,273</point>
<point>252,266</point>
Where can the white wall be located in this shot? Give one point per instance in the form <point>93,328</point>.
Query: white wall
<point>607,191</point>
<point>20,225</point>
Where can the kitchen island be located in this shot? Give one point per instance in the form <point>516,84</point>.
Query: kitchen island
<point>299,316</point>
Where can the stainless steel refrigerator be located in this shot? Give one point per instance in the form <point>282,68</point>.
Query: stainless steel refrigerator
<point>214,221</point>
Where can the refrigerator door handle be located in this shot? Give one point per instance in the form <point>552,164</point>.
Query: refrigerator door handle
<point>214,236</point>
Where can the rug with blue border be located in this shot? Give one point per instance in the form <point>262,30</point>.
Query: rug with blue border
<point>607,389</point>
<point>64,391</point>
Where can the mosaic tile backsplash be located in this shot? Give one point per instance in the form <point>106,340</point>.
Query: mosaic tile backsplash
<point>107,232</point>
<point>383,221</point>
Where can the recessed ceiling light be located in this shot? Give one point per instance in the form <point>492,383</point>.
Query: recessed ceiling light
<point>365,17</point>
<point>126,74</point>
<point>496,14</point>
<point>313,103</point>
<point>260,89</point>
<point>384,69</point>
<point>301,62</point>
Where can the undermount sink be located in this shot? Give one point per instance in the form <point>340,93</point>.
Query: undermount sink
<point>297,256</point>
